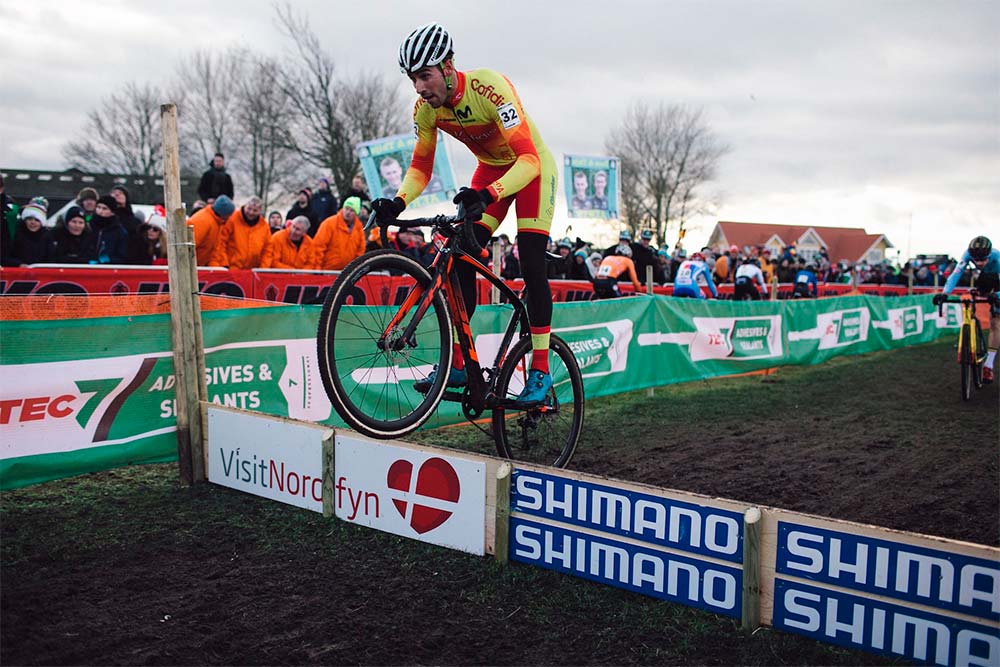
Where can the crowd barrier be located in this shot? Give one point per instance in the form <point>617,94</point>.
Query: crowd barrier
<point>89,394</point>
<point>923,598</point>
<point>302,287</point>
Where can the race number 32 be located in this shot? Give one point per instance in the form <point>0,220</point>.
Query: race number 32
<point>508,115</point>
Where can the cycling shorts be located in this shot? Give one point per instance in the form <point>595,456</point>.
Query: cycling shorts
<point>688,292</point>
<point>535,204</point>
<point>606,288</point>
<point>989,283</point>
<point>745,287</point>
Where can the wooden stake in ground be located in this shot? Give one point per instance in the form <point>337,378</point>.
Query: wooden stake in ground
<point>185,311</point>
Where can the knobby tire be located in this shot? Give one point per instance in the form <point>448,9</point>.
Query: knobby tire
<point>370,388</point>
<point>539,435</point>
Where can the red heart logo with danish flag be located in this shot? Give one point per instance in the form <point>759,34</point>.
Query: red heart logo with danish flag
<point>436,484</point>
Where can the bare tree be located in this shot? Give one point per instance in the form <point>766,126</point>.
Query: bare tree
<point>209,106</point>
<point>261,119</point>
<point>331,113</point>
<point>123,135</point>
<point>668,153</point>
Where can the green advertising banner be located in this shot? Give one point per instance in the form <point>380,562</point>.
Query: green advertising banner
<point>99,393</point>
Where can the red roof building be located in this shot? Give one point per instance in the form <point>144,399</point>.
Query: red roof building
<point>849,244</point>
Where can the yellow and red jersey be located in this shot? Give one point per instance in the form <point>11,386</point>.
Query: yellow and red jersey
<point>485,114</point>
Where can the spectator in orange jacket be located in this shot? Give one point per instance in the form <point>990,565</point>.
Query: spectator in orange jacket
<point>291,248</point>
<point>206,224</point>
<point>243,238</point>
<point>340,237</point>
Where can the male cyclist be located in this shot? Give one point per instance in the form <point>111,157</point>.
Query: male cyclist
<point>612,269</point>
<point>748,276</point>
<point>688,274</point>
<point>806,284</point>
<point>986,259</point>
<point>481,109</point>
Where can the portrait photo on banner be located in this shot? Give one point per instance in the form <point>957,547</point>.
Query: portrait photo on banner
<point>385,161</point>
<point>591,186</point>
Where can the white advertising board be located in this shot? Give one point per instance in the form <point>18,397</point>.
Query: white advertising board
<point>420,494</point>
<point>269,457</point>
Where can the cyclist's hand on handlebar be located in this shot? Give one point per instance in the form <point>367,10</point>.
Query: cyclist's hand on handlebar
<point>474,201</point>
<point>940,298</point>
<point>386,210</point>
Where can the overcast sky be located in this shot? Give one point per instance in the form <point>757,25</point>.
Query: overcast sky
<point>883,115</point>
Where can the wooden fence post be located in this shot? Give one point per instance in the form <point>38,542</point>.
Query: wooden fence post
<point>750,618</point>
<point>185,311</point>
<point>502,526</point>
<point>328,471</point>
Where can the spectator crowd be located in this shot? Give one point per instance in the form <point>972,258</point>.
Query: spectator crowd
<point>321,231</point>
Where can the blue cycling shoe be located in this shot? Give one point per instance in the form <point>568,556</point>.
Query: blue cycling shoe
<point>536,388</point>
<point>456,378</point>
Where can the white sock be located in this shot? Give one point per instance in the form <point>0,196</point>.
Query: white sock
<point>990,356</point>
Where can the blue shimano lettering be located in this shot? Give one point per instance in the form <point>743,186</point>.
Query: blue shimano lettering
<point>932,577</point>
<point>668,576</point>
<point>640,516</point>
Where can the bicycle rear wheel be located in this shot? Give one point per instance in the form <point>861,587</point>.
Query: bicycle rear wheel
<point>370,385</point>
<point>967,362</point>
<point>979,358</point>
<point>548,433</point>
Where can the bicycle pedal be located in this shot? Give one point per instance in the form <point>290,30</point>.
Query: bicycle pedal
<point>455,396</point>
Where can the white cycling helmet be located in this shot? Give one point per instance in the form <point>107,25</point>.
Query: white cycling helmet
<point>624,250</point>
<point>426,46</point>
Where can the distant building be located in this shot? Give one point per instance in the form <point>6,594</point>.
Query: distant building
<point>849,244</point>
<point>61,187</point>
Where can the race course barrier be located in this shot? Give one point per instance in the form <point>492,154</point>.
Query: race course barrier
<point>924,598</point>
<point>100,392</point>
<point>302,287</point>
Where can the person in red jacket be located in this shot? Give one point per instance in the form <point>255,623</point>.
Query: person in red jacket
<point>243,238</point>
<point>340,237</point>
<point>291,248</point>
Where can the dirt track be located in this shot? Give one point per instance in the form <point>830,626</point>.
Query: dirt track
<point>127,567</point>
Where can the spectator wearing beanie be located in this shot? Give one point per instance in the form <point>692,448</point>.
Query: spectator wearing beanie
<point>86,199</point>
<point>31,238</point>
<point>341,238</point>
<point>243,238</point>
<point>72,241</point>
<point>111,237</point>
<point>123,209</point>
<point>206,225</point>
<point>303,206</point>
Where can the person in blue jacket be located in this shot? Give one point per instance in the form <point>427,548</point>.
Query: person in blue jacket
<point>806,285</point>
<point>686,283</point>
<point>986,259</point>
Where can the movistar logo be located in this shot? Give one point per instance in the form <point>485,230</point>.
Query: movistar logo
<point>465,113</point>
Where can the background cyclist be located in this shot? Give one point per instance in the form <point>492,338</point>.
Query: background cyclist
<point>748,276</point>
<point>616,266</point>
<point>689,273</point>
<point>806,285</point>
<point>481,109</point>
<point>986,259</point>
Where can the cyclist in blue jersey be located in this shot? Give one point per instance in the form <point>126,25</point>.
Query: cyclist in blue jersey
<point>806,285</point>
<point>688,273</point>
<point>986,259</point>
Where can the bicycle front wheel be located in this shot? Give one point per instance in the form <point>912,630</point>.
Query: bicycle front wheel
<point>966,360</point>
<point>548,433</point>
<point>367,368</point>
